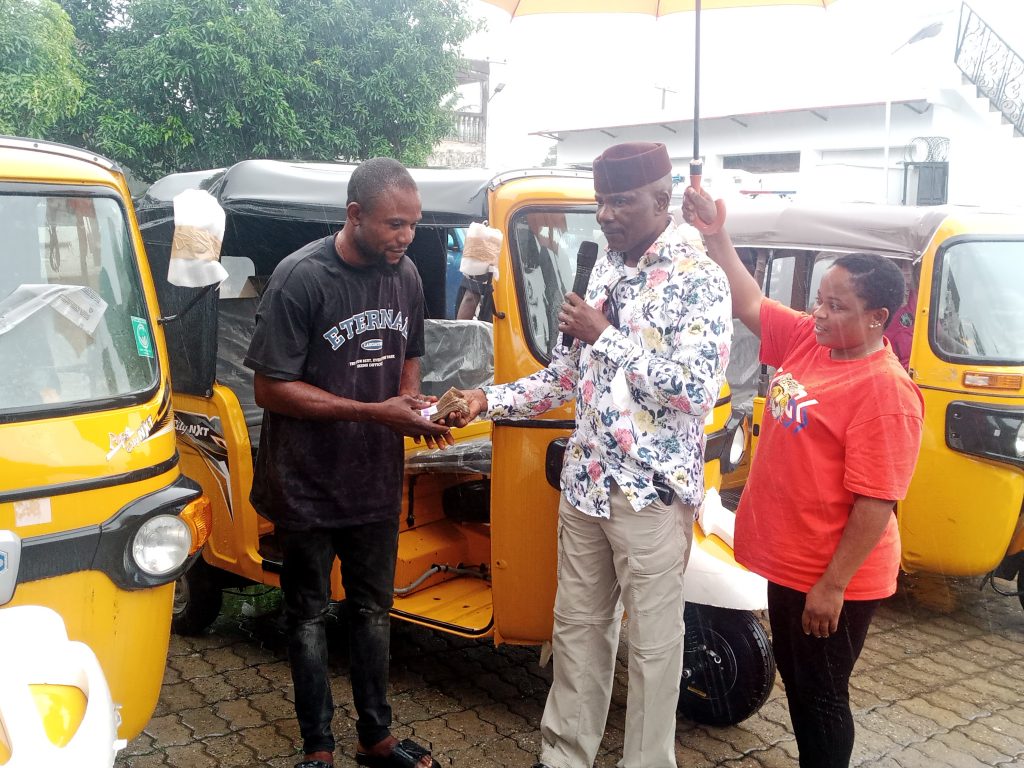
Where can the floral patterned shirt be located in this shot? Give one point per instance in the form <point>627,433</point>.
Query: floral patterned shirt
<point>643,390</point>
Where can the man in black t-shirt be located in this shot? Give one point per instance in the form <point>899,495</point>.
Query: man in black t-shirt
<point>339,334</point>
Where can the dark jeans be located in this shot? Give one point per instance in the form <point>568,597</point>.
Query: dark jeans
<point>367,554</point>
<point>816,672</point>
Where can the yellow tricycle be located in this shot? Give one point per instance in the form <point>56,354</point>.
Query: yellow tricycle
<point>96,519</point>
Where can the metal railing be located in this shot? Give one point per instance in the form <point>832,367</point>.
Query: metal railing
<point>469,128</point>
<point>993,66</point>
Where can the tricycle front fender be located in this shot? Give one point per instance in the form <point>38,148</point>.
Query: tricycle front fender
<point>713,577</point>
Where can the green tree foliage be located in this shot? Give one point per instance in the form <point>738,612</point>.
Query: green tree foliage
<point>187,84</point>
<point>40,76</point>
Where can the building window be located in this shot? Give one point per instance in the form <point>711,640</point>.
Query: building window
<point>775,162</point>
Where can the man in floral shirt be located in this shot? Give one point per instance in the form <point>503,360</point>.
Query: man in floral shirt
<point>652,344</point>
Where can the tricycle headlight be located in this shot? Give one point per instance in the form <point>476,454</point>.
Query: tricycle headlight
<point>161,544</point>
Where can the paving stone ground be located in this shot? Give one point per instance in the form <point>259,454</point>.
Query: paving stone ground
<point>940,683</point>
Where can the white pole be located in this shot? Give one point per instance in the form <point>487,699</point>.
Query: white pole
<point>931,30</point>
<point>885,151</point>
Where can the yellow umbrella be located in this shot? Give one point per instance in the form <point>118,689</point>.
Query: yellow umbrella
<point>655,8</point>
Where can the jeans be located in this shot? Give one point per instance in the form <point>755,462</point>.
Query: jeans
<point>816,673</point>
<point>367,553</point>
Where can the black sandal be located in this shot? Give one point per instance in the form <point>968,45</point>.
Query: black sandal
<point>406,754</point>
<point>314,764</point>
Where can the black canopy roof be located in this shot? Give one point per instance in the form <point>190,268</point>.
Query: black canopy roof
<point>316,191</point>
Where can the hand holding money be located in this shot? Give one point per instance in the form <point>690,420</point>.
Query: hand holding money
<point>452,406</point>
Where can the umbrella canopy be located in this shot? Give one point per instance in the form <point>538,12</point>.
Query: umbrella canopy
<point>654,8</point>
<point>649,7</point>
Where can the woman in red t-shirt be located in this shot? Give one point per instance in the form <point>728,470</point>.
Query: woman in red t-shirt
<point>838,445</point>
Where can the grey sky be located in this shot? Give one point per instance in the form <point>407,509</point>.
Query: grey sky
<point>575,70</point>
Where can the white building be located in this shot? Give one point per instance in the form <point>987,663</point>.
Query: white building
<point>912,128</point>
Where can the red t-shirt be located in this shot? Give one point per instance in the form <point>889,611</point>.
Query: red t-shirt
<point>832,429</point>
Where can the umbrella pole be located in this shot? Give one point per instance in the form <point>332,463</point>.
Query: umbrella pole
<point>697,164</point>
<point>696,83</point>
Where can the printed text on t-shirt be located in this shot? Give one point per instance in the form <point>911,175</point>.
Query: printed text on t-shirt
<point>371,320</point>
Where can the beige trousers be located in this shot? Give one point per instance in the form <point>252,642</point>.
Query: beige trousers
<point>634,560</point>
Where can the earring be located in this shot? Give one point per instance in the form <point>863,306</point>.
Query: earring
<point>876,324</point>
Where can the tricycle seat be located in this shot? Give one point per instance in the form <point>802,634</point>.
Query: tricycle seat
<point>236,324</point>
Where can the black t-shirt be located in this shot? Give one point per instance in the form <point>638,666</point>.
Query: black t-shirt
<point>347,331</point>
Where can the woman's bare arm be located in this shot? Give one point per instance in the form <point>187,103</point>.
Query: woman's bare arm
<point>746,293</point>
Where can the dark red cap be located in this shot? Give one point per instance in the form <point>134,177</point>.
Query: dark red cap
<point>631,165</point>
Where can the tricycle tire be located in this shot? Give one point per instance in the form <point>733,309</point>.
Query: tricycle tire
<point>197,599</point>
<point>728,666</point>
<point>1020,586</point>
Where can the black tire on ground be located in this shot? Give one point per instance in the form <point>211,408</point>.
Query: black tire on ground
<point>1020,586</point>
<point>197,599</point>
<point>728,666</point>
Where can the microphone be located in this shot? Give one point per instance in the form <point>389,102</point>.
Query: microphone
<point>585,258</point>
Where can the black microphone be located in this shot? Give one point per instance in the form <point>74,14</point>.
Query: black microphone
<point>585,258</point>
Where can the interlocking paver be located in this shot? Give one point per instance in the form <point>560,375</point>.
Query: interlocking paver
<point>873,738</point>
<point>191,756</point>
<point>175,697</point>
<point>469,724</point>
<point>224,659</point>
<point>938,685</point>
<point>151,760</point>
<point>231,750</point>
<point>960,743</point>
<point>899,725</point>
<point>247,681</point>
<point>168,731</point>
<point>995,692</point>
<point>946,665</point>
<point>943,719</point>
<point>213,688</point>
<point>204,723</point>
<point>273,705</point>
<point>239,714</point>
<point>996,731</point>
<point>267,742</point>
<point>192,666</point>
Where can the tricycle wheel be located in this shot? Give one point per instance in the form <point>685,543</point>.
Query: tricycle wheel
<point>197,599</point>
<point>728,666</point>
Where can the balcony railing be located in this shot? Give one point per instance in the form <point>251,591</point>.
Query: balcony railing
<point>469,128</point>
<point>992,65</point>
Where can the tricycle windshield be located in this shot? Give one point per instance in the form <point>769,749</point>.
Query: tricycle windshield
<point>545,242</point>
<point>979,315</point>
<point>74,331</point>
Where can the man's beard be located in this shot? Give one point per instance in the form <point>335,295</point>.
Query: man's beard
<point>376,258</point>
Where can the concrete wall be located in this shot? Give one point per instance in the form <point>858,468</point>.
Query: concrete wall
<point>843,148</point>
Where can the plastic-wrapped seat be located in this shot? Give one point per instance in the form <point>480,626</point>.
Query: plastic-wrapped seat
<point>236,324</point>
<point>460,354</point>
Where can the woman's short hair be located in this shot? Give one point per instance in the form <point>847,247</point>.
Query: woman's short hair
<point>876,280</point>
